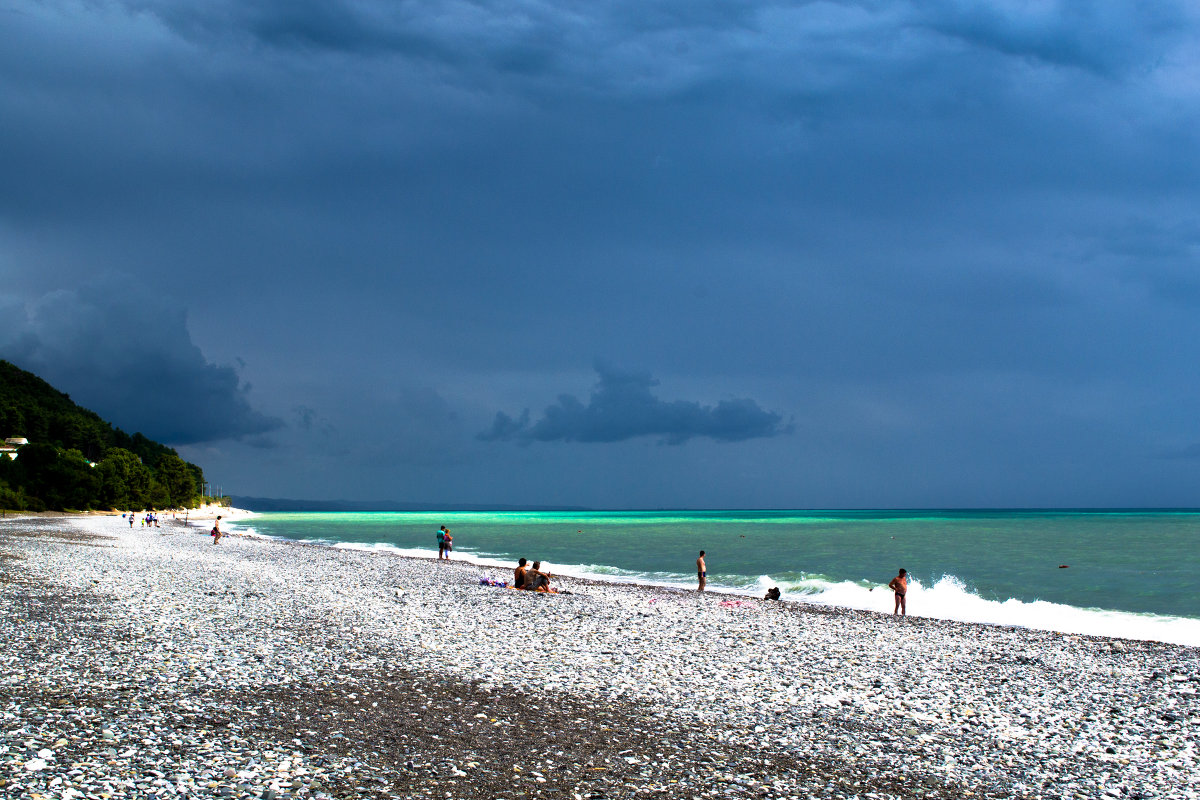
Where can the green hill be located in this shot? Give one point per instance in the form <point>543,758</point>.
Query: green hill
<point>76,460</point>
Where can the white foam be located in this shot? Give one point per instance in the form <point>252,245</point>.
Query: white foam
<point>949,599</point>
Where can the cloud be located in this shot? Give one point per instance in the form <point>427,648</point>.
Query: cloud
<point>622,407</point>
<point>125,353</point>
<point>1093,37</point>
<point>1189,453</point>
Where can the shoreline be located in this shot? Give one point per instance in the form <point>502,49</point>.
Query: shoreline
<point>206,511</point>
<point>434,684</point>
<point>1083,621</point>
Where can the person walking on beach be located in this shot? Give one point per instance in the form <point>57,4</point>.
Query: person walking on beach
<point>701,572</point>
<point>899,585</point>
<point>216,530</point>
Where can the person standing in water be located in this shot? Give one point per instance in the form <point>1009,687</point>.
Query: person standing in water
<point>899,585</point>
<point>701,572</point>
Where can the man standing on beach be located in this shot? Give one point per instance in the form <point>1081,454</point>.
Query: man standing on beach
<point>899,585</point>
<point>701,571</point>
<point>441,542</point>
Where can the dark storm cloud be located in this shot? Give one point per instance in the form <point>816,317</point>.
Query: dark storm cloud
<point>126,354</point>
<point>848,200</point>
<point>623,407</point>
<point>364,28</point>
<point>1105,38</point>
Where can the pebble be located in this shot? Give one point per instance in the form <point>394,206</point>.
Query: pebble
<point>159,688</point>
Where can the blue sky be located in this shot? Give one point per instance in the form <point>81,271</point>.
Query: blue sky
<point>623,254</point>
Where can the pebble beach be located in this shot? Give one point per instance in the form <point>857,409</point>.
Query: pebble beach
<point>152,663</point>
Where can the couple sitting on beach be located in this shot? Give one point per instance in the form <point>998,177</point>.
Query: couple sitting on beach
<point>531,579</point>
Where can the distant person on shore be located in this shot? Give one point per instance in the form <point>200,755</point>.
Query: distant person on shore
<point>519,575</point>
<point>131,520</point>
<point>772,593</point>
<point>216,530</point>
<point>899,585</point>
<point>441,542</point>
<point>701,572</point>
<point>449,540</point>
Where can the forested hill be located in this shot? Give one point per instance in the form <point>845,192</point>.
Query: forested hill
<point>76,460</point>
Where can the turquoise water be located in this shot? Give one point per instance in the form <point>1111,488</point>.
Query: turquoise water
<point>964,564</point>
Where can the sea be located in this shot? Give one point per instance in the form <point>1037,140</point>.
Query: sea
<point>1132,574</point>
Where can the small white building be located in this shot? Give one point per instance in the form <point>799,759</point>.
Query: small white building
<point>12,444</point>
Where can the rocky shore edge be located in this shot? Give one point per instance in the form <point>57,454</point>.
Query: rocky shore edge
<point>150,663</point>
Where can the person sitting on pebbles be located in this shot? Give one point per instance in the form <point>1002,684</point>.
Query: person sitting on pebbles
<point>536,580</point>
<point>519,575</point>
<point>772,593</point>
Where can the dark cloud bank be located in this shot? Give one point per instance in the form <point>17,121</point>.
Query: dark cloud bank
<point>622,407</point>
<point>126,354</point>
<point>894,214</point>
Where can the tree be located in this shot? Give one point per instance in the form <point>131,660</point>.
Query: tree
<point>63,479</point>
<point>173,473</point>
<point>158,496</point>
<point>67,436</point>
<point>124,480</point>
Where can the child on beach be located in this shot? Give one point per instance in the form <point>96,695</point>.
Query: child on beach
<point>899,585</point>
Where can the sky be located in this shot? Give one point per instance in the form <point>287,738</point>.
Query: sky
<point>623,254</point>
